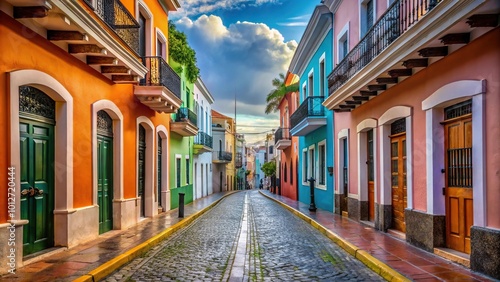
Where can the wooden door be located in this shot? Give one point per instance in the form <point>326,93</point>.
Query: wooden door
<point>105,182</point>
<point>458,191</point>
<point>142,169</point>
<point>371,176</point>
<point>37,186</point>
<point>345,187</point>
<point>398,181</point>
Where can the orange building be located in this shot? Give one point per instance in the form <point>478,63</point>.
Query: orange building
<point>85,102</point>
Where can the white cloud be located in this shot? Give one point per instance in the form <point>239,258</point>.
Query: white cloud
<point>241,59</point>
<point>293,24</point>
<point>198,7</point>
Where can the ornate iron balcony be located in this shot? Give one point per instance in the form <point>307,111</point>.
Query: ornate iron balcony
<point>222,156</point>
<point>400,16</point>
<point>238,162</point>
<point>185,113</point>
<point>312,106</point>
<point>282,134</point>
<point>203,139</point>
<point>118,18</point>
<point>161,74</point>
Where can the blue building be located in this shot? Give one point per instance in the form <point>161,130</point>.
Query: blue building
<point>313,123</point>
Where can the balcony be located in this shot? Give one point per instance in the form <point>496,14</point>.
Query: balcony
<point>160,90</point>
<point>202,143</point>
<point>238,161</point>
<point>282,138</point>
<point>407,38</point>
<point>308,117</point>
<point>106,39</point>
<point>222,157</point>
<point>184,123</point>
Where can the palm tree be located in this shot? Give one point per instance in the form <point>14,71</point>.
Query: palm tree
<point>274,97</point>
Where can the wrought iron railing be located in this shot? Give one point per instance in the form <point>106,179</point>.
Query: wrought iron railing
<point>460,167</point>
<point>312,106</point>
<point>203,139</point>
<point>222,156</point>
<point>161,74</point>
<point>238,161</point>
<point>282,134</point>
<point>113,13</point>
<point>400,16</point>
<point>184,114</point>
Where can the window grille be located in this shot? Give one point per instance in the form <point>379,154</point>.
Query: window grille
<point>458,110</point>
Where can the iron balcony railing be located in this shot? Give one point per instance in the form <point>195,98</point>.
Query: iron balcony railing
<point>184,114</point>
<point>161,74</point>
<point>311,107</point>
<point>282,134</point>
<point>238,161</point>
<point>203,139</point>
<point>118,18</point>
<point>222,156</point>
<point>400,16</point>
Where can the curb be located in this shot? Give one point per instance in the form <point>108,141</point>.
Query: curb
<point>110,266</point>
<point>370,261</point>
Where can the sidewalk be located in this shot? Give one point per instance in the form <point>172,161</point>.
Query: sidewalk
<point>378,250</point>
<point>112,249</point>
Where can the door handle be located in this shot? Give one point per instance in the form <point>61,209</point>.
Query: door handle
<point>37,192</point>
<point>26,192</point>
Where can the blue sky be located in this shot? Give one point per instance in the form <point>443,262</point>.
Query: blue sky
<point>241,46</point>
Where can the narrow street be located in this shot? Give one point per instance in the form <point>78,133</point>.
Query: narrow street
<point>246,237</point>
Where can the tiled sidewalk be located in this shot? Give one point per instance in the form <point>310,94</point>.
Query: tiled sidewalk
<point>71,264</point>
<point>406,259</point>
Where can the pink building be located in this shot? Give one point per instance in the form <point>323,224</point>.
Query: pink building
<point>415,90</point>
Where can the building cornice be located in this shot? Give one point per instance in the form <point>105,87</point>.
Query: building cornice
<point>317,28</point>
<point>201,85</point>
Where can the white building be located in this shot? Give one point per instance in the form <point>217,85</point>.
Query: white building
<point>203,142</point>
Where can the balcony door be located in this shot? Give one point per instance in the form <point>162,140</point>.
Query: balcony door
<point>142,36</point>
<point>458,175</point>
<point>142,169</point>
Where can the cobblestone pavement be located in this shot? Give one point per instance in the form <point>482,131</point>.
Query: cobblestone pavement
<point>279,247</point>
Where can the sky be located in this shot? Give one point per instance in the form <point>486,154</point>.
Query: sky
<point>241,46</point>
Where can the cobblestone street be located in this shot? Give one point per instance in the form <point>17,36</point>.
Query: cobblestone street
<point>248,230</point>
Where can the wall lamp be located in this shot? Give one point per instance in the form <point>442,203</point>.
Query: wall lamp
<point>330,170</point>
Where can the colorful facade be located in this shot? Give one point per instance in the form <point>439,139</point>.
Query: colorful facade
<point>313,124</point>
<point>223,161</point>
<point>416,95</point>
<point>84,102</point>
<point>184,126</point>
<point>203,142</point>
<point>286,144</point>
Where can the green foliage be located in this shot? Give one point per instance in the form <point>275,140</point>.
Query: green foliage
<point>269,168</point>
<point>182,53</point>
<point>280,90</point>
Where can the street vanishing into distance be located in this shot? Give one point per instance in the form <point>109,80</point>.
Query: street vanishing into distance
<point>246,237</point>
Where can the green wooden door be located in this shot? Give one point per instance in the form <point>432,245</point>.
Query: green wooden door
<point>105,170</point>
<point>37,184</point>
<point>105,182</point>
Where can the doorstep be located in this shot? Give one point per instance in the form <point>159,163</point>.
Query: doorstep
<point>455,256</point>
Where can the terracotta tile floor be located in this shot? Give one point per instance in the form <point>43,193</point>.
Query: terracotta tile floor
<point>414,263</point>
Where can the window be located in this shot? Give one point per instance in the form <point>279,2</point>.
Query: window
<point>271,149</point>
<point>312,168</point>
<point>310,84</point>
<point>304,90</point>
<point>304,166</point>
<point>187,171</point>
<point>343,43</point>
<point>178,171</point>
<point>322,163</point>
<point>291,172</point>
<point>284,173</point>
<point>322,76</point>
<point>367,15</point>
